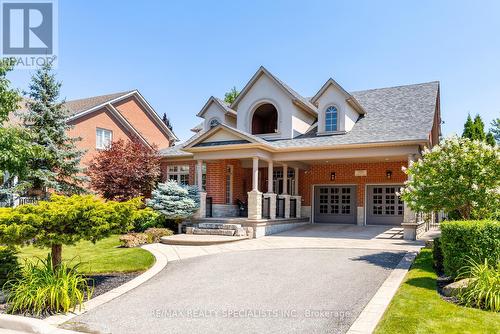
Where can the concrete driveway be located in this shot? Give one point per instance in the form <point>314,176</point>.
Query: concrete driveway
<point>260,291</point>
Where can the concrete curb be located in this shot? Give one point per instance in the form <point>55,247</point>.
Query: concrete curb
<point>160,263</point>
<point>19,324</point>
<point>374,310</point>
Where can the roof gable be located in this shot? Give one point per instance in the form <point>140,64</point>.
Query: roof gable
<point>348,97</point>
<point>297,99</point>
<point>222,105</point>
<point>222,135</point>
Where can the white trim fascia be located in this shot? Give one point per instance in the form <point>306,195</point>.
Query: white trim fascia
<point>213,99</point>
<point>123,121</point>
<point>349,98</point>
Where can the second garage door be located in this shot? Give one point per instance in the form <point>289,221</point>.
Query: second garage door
<point>384,206</point>
<point>335,204</point>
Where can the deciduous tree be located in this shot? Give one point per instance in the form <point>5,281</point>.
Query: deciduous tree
<point>460,175</point>
<point>125,170</point>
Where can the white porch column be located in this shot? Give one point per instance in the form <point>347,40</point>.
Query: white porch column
<point>255,196</point>
<point>255,174</point>
<point>296,185</point>
<point>202,211</point>
<point>270,194</point>
<point>199,174</point>
<point>270,176</point>
<point>285,179</point>
<point>409,216</point>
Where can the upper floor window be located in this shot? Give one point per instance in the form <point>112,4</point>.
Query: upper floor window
<point>265,120</point>
<point>213,123</point>
<point>103,138</point>
<point>331,119</point>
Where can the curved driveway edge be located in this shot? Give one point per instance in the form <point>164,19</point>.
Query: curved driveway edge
<point>160,263</point>
<point>372,313</point>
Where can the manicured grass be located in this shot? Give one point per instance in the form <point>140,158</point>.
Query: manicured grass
<point>105,256</point>
<point>418,308</point>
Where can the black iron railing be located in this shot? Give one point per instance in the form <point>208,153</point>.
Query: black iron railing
<point>280,207</point>
<point>208,207</point>
<point>266,207</point>
<point>293,207</point>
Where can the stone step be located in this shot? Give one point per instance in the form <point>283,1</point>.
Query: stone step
<point>220,226</point>
<point>212,231</point>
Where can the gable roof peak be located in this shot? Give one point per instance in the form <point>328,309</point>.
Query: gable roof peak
<point>298,99</point>
<point>348,97</point>
<point>221,103</point>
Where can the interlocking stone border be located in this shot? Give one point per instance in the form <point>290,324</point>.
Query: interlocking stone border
<point>374,310</point>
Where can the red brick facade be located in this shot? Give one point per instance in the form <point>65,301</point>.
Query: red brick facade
<point>316,174</point>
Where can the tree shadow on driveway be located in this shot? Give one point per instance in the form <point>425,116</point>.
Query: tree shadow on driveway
<point>386,260</point>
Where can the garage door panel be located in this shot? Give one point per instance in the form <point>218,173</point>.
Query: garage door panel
<point>384,207</point>
<point>335,204</point>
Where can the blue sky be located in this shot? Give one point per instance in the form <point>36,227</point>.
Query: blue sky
<point>179,53</point>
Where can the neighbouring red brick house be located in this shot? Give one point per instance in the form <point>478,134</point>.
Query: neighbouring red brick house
<point>336,157</point>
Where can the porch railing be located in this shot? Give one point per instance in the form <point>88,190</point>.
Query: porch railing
<point>280,207</point>
<point>266,207</point>
<point>208,207</point>
<point>293,208</point>
<point>28,200</point>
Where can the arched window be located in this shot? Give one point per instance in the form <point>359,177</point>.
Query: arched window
<point>214,122</point>
<point>331,119</point>
<point>265,120</point>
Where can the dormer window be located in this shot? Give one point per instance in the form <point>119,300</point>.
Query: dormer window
<point>331,119</point>
<point>213,123</point>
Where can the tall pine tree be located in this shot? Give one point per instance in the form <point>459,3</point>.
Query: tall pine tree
<point>478,132</point>
<point>468,128</point>
<point>46,120</point>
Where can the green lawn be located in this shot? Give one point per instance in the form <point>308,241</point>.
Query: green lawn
<point>417,307</point>
<point>104,256</point>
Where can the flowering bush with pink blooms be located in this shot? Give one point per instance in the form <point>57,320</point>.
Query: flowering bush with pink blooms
<point>458,175</point>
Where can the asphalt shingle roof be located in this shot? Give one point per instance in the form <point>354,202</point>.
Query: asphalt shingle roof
<point>401,113</point>
<point>76,106</point>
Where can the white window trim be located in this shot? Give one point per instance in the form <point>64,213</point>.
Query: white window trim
<point>103,131</point>
<point>178,172</point>
<point>338,119</point>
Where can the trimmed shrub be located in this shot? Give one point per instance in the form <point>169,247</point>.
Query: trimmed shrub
<point>154,234</point>
<point>42,289</point>
<point>462,241</point>
<point>437,255</point>
<point>133,239</point>
<point>9,267</point>
<point>144,219</point>
<point>483,288</point>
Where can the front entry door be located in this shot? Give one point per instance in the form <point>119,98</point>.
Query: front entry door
<point>335,204</point>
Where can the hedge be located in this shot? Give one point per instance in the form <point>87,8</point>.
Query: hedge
<point>464,240</point>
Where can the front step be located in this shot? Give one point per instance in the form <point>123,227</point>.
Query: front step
<point>211,231</point>
<point>219,226</point>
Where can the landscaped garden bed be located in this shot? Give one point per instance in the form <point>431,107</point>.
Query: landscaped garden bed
<point>106,264</point>
<point>417,307</point>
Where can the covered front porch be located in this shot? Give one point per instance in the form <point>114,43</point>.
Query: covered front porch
<point>249,188</point>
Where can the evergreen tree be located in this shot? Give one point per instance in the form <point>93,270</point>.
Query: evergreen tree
<point>166,120</point>
<point>490,139</point>
<point>478,133</point>
<point>46,121</point>
<point>495,129</point>
<point>468,128</point>
<point>174,201</point>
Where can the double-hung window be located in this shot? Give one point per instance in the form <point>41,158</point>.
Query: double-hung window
<point>178,173</point>
<point>103,138</point>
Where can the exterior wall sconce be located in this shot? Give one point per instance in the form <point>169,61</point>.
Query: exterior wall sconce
<point>332,176</point>
<point>388,173</point>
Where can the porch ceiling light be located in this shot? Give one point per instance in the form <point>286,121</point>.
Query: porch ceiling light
<point>388,173</point>
<point>332,176</point>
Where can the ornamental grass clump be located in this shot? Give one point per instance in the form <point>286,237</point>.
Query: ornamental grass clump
<point>42,289</point>
<point>483,288</point>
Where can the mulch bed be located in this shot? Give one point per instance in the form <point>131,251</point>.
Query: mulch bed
<point>102,283</point>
